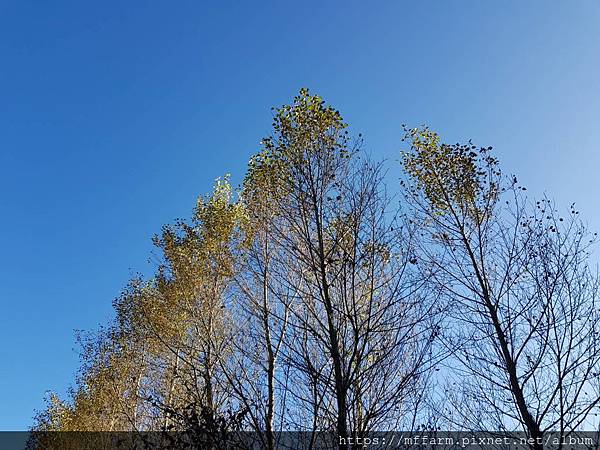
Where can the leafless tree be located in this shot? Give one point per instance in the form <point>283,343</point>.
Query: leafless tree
<point>523,328</point>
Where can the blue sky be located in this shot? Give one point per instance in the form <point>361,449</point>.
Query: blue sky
<point>114,116</point>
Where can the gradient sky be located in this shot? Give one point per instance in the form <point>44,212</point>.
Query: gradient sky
<point>114,116</point>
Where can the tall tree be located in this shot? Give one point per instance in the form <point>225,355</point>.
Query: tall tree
<point>195,325</point>
<point>357,339</point>
<point>524,323</point>
<point>261,309</point>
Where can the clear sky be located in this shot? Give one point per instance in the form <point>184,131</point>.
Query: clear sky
<point>114,116</point>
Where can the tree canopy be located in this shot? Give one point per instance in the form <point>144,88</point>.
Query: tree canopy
<point>310,299</point>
